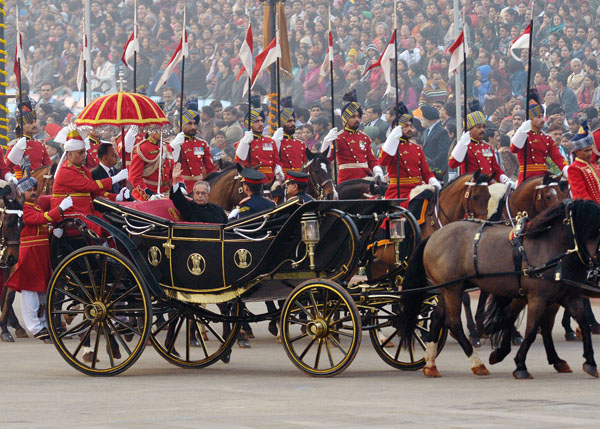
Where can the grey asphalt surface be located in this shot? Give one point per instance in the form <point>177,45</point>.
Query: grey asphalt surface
<point>261,388</point>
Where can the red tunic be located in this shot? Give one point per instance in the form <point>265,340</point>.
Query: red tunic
<point>92,160</point>
<point>196,161</point>
<point>539,146</point>
<point>354,156</point>
<point>292,154</point>
<point>263,151</point>
<point>34,269</point>
<point>480,155</point>
<point>143,172</point>
<point>78,183</point>
<point>119,142</point>
<point>414,170</point>
<point>584,180</point>
<point>3,167</point>
<point>38,156</point>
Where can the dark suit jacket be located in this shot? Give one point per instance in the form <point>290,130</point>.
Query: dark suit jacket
<point>435,146</point>
<point>99,173</point>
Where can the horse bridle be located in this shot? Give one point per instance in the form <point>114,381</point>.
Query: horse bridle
<point>469,213</point>
<point>318,187</point>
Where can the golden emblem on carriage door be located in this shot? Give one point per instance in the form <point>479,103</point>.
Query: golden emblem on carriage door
<point>242,258</point>
<point>154,256</point>
<point>196,264</point>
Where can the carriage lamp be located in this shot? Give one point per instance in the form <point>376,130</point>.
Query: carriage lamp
<point>310,235</point>
<point>397,235</point>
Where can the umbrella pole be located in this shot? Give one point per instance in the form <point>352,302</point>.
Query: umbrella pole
<point>123,154</point>
<point>160,162</point>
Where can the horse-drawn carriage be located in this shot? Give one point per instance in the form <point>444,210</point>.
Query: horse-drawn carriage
<point>184,286</point>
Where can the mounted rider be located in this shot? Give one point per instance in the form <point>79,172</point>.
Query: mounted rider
<point>146,163</point>
<point>353,148</point>
<point>471,153</point>
<point>529,137</point>
<point>292,152</point>
<point>584,175</point>
<point>196,160</point>
<point>405,161</point>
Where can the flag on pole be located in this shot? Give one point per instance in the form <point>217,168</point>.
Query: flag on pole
<point>457,51</point>
<point>521,42</point>
<point>246,54</point>
<point>266,58</point>
<point>328,58</point>
<point>83,56</point>
<point>19,56</point>
<point>130,47</point>
<point>385,62</point>
<point>180,52</point>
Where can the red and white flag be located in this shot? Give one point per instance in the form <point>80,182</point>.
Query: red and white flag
<point>246,54</point>
<point>521,42</point>
<point>457,51</point>
<point>130,47</point>
<point>180,52</point>
<point>266,58</point>
<point>328,58</point>
<point>83,56</point>
<point>385,62</point>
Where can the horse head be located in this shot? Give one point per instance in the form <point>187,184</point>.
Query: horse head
<point>547,194</point>
<point>320,182</point>
<point>475,196</point>
<point>10,225</point>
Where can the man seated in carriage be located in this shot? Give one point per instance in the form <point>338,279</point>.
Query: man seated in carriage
<point>252,182</point>
<point>471,153</point>
<point>296,184</point>
<point>34,269</point>
<point>198,209</point>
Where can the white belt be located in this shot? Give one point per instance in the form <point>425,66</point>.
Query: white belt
<point>354,165</point>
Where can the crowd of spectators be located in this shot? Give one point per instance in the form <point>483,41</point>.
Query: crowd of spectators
<point>565,68</point>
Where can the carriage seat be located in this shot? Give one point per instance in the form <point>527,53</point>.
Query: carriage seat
<point>161,208</point>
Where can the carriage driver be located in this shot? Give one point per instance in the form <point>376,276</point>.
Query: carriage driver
<point>252,182</point>
<point>196,161</point>
<point>34,269</point>
<point>471,153</point>
<point>399,152</point>
<point>296,184</point>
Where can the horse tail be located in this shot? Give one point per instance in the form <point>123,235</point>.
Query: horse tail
<point>411,302</point>
<point>494,322</point>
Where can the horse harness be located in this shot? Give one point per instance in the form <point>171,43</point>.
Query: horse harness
<point>318,187</point>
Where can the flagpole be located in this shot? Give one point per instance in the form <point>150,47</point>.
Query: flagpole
<point>527,94</point>
<point>83,53</point>
<point>335,169</point>
<point>183,47</point>
<point>278,75</point>
<point>135,45</point>
<point>19,41</point>
<point>465,112</point>
<point>457,84</point>
<point>397,93</point>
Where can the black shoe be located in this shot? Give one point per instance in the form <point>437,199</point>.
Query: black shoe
<point>244,344</point>
<point>42,334</point>
<point>273,327</point>
<point>571,336</point>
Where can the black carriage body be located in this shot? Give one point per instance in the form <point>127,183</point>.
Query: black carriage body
<point>211,263</point>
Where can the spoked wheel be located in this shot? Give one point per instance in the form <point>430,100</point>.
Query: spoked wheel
<point>98,311</point>
<point>321,328</point>
<point>386,340</point>
<point>185,338</point>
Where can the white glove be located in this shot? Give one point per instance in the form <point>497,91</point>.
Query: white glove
<point>9,177</point>
<point>176,144</point>
<point>66,204</point>
<point>156,197</point>
<point>435,183</point>
<point>58,232</point>
<point>460,150</point>
<point>565,171</point>
<point>130,138</point>
<point>328,139</point>
<point>391,143</point>
<point>87,144</point>
<point>234,213</point>
<point>520,136</point>
<point>123,195</point>
<point>18,150</point>
<point>506,180</point>
<point>121,175</point>
<point>244,145</point>
<point>21,144</point>
<point>278,136</point>
<point>378,172</point>
<point>279,173</point>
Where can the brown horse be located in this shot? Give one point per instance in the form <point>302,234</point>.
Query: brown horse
<point>360,189</point>
<point>226,188</point>
<point>320,183</point>
<point>559,253</point>
<point>45,178</point>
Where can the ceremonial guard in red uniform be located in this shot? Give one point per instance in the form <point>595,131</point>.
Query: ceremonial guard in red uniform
<point>584,176</point>
<point>92,142</point>
<point>75,180</point>
<point>254,149</point>
<point>410,157</point>
<point>354,155</point>
<point>538,145</point>
<point>145,167</point>
<point>34,269</point>
<point>471,153</point>
<point>27,152</point>
<point>193,153</point>
<point>132,137</point>
<point>292,152</point>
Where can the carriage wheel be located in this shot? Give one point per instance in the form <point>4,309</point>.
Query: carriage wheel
<point>98,311</point>
<point>321,328</point>
<point>386,341</point>
<point>186,339</point>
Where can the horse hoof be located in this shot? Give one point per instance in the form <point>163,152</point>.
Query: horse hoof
<point>522,374</point>
<point>571,336</point>
<point>475,342</point>
<point>7,337</point>
<point>496,357</point>
<point>431,371</point>
<point>480,370</point>
<point>20,333</point>
<point>562,367</point>
<point>517,340</point>
<point>579,334</point>
<point>590,369</point>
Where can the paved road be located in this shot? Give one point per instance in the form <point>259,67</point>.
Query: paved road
<point>261,388</point>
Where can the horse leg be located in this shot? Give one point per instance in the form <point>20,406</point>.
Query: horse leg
<point>5,334</point>
<point>546,325</point>
<point>12,316</point>
<point>566,324</point>
<point>480,312</point>
<point>576,308</point>
<point>589,315</point>
<point>535,310</point>
<point>508,320</point>
<point>437,323</point>
<point>473,335</point>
